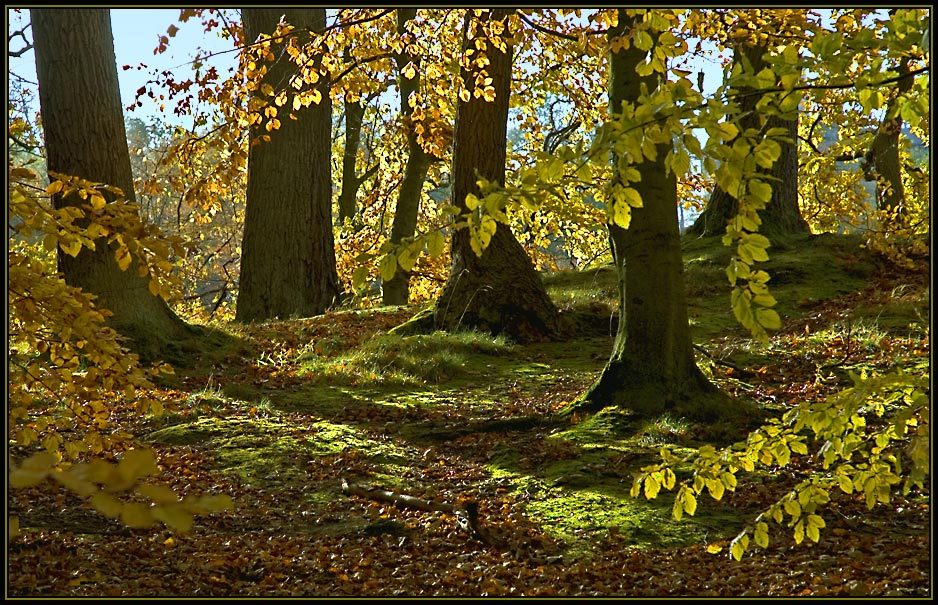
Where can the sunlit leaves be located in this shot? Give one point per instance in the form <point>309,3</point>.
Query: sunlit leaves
<point>858,457</point>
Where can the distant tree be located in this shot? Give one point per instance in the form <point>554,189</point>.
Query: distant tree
<point>782,214</point>
<point>288,265</point>
<point>497,289</point>
<point>881,161</point>
<point>354,111</point>
<point>396,290</point>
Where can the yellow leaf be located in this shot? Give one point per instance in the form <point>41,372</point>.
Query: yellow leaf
<point>716,488</point>
<point>137,515</point>
<point>387,267</point>
<point>690,504</point>
<point>123,257</point>
<point>136,464</point>
<point>435,243</point>
<point>50,241</point>
<point>26,478</point>
<point>107,505</point>
<point>70,246</point>
<point>173,516</point>
<point>359,277</point>
<point>158,494</point>
<point>714,548</point>
<point>651,487</point>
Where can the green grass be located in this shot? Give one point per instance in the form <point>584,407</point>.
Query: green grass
<point>387,410</point>
<point>409,360</point>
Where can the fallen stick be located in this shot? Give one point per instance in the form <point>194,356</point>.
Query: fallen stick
<point>466,515</point>
<point>383,495</point>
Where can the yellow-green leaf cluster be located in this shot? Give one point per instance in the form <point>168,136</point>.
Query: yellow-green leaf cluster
<point>847,450</point>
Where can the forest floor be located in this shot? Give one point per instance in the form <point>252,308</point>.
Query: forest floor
<point>304,420</point>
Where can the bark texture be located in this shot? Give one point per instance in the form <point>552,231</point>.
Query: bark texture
<point>288,266</point>
<point>499,291</point>
<point>652,367</point>
<point>83,125</point>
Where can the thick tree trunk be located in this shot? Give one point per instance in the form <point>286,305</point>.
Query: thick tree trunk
<point>288,264</point>
<point>396,291</point>
<point>83,125</point>
<point>652,367</point>
<point>499,291</point>
<point>782,215</point>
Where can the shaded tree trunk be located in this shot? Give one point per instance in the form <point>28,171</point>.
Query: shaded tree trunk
<point>499,291</point>
<point>351,180</point>
<point>652,368</point>
<point>288,266</point>
<point>354,115</point>
<point>396,291</point>
<point>782,215</point>
<point>881,162</point>
<point>83,125</point>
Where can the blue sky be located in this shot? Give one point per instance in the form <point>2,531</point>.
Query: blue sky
<point>136,33</point>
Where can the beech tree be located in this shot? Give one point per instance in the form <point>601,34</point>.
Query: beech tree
<point>782,214</point>
<point>395,290</point>
<point>85,139</point>
<point>652,367</point>
<point>288,265</point>
<point>492,287</point>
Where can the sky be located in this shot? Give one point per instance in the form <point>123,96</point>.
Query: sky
<point>136,33</point>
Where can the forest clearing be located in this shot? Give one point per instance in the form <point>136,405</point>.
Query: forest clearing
<point>279,420</point>
<point>377,302</point>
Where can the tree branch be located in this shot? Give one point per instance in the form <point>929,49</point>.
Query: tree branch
<point>556,34</point>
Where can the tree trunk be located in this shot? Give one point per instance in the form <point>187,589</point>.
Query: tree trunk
<point>354,115</point>
<point>83,125</point>
<point>396,291</point>
<point>882,160</point>
<point>288,266</point>
<point>652,368</point>
<point>782,215</point>
<point>499,291</point>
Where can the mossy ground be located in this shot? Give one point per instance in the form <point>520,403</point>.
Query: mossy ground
<point>453,416</point>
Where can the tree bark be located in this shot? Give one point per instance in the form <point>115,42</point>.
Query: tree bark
<point>288,266</point>
<point>652,368</point>
<point>396,291</point>
<point>354,115</point>
<point>882,160</point>
<point>499,291</point>
<point>782,215</point>
<point>83,125</point>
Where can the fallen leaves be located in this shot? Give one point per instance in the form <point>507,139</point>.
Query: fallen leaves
<point>294,534</point>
